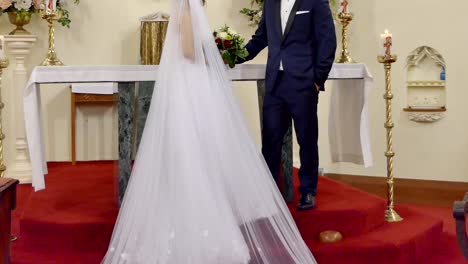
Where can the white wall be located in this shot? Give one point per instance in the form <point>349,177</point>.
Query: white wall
<point>425,151</point>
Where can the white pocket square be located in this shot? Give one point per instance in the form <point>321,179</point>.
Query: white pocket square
<point>302,12</point>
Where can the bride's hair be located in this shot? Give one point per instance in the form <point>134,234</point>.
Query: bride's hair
<point>203,2</point>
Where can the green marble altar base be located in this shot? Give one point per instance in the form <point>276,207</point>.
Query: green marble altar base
<point>133,107</point>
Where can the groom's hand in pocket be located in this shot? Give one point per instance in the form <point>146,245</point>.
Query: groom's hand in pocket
<point>317,87</point>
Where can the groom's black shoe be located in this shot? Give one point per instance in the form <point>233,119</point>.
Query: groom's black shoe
<point>306,202</point>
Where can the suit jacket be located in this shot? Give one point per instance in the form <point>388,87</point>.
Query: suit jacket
<point>307,47</point>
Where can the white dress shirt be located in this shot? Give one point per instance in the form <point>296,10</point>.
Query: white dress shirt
<point>286,7</point>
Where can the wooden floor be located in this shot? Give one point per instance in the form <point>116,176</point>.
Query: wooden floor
<point>435,193</point>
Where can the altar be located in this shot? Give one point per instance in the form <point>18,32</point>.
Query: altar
<point>348,117</point>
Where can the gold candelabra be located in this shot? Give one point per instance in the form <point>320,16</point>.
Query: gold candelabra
<point>51,16</point>
<point>390,214</point>
<point>3,64</point>
<point>345,19</point>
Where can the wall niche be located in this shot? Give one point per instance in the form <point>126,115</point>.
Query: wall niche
<point>425,86</point>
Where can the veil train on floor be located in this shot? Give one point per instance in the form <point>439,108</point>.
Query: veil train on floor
<point>200,191</point>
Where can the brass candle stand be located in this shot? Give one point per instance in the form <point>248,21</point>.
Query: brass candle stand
<point>390,214</point>
<point>51,16</point>
<point>3,64</point>
<point>345,19</point>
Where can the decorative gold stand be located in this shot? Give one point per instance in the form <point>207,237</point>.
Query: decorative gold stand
<point>3,64</point>
<point>19,20</point>
<point>390,214</point>
<point>51,17</point>
<point>345,19</point>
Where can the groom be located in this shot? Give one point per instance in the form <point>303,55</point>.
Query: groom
<point>301,41</point>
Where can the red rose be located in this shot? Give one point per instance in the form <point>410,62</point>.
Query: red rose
<point>218,41</point>
<point>227,44</point>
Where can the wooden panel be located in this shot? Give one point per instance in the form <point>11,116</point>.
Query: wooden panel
<point>435,193</point>
<point>77,99</point>
<point>7,203</point>
<point>96,98</point>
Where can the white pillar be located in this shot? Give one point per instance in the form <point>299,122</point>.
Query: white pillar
<point>18,48</point>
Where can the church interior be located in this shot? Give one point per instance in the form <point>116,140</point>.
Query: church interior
<point>392,139</point>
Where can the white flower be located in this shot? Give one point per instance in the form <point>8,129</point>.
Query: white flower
<point>232,32</point>
<point>23,4</point>
<point>223,35</point>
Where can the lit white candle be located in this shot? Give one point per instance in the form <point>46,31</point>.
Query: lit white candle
<point>46,3</point>
<point>387,42</point>
<point>54,6</point>
<point>2,47</point>
<point>343,7</point>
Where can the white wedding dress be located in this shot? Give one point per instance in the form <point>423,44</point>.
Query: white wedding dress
<point>200,191</point>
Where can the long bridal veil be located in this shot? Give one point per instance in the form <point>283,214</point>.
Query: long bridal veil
<point>200,191</point>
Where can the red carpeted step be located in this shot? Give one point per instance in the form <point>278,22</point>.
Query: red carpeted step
<point>410,241</point>
<point>52,256</point>
<point>76,211</point>
<point>72,220</point>
<point>340,208</point>
<point>71,208</point>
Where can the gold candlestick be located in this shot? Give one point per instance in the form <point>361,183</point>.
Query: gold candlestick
<point>3,64</point>
<point>345,19</point>
<point>390,214</point>
<point>51,16</point>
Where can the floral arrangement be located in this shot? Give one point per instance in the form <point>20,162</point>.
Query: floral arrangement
<point>23,8</point>
<point>230,45</point>
<point>254,13</point>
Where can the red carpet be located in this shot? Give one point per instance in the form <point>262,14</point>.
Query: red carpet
<point>72,220</point>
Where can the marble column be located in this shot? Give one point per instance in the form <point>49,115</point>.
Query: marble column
<point>18,48</point>
<point>143,101</point>
<point>126,110</point>
<point>133,108</point>
<point>287,151</point>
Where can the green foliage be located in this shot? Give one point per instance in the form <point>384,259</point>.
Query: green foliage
<point>254,13</point>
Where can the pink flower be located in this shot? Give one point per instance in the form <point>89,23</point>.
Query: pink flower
<point>4,4</point>
<point>37,4</point>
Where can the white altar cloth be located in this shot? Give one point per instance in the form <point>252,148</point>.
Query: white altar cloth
<point>348,120</point>
<point>95,88</point>
<point>348,129</point>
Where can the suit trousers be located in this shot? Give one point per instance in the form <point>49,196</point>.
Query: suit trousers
<point>292,99</point>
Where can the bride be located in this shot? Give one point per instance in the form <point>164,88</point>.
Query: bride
<point>200,191</point>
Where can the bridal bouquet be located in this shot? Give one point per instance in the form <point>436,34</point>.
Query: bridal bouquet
<point>230,45</point>
<point>21,9</point>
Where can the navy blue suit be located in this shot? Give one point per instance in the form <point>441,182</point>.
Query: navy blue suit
<point>307,51</point>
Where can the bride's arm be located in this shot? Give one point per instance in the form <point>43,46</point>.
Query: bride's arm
<point>186,31</point>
